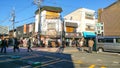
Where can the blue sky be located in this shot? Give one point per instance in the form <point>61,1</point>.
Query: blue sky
<point>24,9</point>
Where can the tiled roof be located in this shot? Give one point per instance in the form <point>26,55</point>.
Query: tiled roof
<point>51,8</point>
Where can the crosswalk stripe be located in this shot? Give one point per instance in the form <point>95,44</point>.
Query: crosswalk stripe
<point>92,66</point>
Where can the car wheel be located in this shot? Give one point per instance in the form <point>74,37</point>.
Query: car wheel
<point>100,50</point>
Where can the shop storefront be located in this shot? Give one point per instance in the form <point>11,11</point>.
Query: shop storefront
<point>87,36</point>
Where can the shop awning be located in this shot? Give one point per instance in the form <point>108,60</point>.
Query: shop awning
<point>89,34</point>
<point>72,24</point>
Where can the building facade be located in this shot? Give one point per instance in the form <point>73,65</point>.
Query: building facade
<point>110,17</point>
<point>71,29</point>
<point>4,29</point>
<point>85,19</point>
<point>26,30</point>
<point>50,25</point>
<point>99,29</point>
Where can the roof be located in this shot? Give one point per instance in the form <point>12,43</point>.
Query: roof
<point>50,8</point>
<point>112,4</point>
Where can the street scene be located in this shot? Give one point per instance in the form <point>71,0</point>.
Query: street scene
<point>49,58</point>
<point>60,34</point>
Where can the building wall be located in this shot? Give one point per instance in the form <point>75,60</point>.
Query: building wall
<point>19,31</point>
<point>4,29</point>
<point>49,20</point>
<point>111,18</point>
<point>84,19</point>
<point>36,22</point>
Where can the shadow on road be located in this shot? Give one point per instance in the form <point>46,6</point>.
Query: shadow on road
<point>37,59</point>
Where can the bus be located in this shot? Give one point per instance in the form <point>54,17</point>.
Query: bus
<point>108,43</point>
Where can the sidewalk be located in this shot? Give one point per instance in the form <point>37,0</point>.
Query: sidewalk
<point>45,49</point>
<point>24,49</point>
<point>65,50</point>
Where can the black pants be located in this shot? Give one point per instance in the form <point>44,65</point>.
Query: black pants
<point>16,47</point>
<point>29,49</point>
<point>3,48</point>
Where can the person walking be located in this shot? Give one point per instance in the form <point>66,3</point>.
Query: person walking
<point>90,44</point>
<point>81,44</point>
<point>4,45</point>
<point>16,45</point>
<point>29,45</point>
<point>0,41</point>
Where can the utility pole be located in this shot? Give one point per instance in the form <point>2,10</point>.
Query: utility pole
<point>13,19</point>
<point>62,32</point>
<point>38,3</point>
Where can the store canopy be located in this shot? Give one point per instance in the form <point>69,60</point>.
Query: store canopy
<point>89,34</point>
<point>71,24</point>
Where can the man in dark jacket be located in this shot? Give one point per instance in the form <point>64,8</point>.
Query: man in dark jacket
<point>4,45</point>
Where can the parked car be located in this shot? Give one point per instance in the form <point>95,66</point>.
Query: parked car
<point>108,43</point>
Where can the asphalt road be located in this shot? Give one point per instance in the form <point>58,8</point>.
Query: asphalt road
<point>48,58</point>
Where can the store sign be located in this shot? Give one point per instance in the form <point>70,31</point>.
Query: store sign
<point>25,29</point>
<point>72,34</point>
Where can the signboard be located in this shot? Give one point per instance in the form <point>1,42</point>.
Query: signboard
<point>72,35</point>
<point>52,15</point>
<point>30,27</point>
<point>25,29</point>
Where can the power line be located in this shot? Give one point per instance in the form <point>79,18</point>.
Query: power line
<point>23,9</point>
<point>6,19</point>
<point>25,19</point>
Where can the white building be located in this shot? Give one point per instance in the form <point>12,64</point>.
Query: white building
<point>99,29</point>
<point>4,30</point>
<point>50,21</point>
<point>85,19</point>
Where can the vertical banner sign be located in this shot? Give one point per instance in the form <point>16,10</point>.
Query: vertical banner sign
<point>25,29</point>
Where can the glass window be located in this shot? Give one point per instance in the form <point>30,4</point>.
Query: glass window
<point>98,32</point>
<point>102,28</point>
<point>100,40</point>
<point>98,28</point>
<point>108,40</point>
<point>89,15</point>
<point>117,40</point>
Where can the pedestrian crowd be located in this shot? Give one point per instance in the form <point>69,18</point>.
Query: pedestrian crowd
<point>31,42</point>
<point>82,44</point>
<point>16,43</point>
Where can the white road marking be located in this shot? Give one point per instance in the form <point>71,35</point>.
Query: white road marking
<point>115,62</point>
<point>99,60</point>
